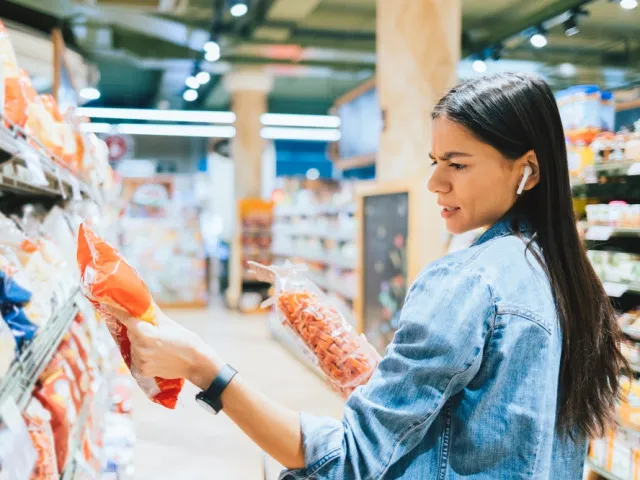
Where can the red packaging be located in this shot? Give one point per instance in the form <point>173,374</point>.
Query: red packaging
<point>109,281</point>
<point>57,394</point>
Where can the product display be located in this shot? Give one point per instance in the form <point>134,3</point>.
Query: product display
<point>109,281</point>
<point>346,358</point>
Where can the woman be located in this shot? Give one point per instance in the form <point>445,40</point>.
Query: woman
<point>507,355</point>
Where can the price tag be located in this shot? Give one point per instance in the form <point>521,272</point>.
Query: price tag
<point>634,169</point>
<point>34,164</point>
<point>76,194</point>
<point>600,233</point>
<point>615,290</point>
<point>60,184</point>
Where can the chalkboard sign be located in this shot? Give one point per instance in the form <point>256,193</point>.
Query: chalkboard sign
<point>384,277</point>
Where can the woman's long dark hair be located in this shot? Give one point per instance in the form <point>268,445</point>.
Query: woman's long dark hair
<point>515,113</point>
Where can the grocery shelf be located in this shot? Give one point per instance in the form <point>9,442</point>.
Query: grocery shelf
<point>617,289</point>
<point>601,471</point>
<point>77,432</point>
<point>627,167</point>
<point>27,168</point>
<point>330,260</point>
<point>312,211</point>
<point>337,235</point>
<point>632,332</point>
<point>19,381</point>
<point>603,232</point>
<point>635,367</point>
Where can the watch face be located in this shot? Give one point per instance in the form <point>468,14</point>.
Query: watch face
<point>203,403</point>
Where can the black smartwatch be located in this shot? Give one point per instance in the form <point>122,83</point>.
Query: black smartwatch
<point>210,398</point>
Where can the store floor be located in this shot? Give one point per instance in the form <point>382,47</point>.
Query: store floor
<point>190,444</point>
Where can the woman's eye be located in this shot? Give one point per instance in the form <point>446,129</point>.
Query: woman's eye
<point>434,163</point>
<point>457,166</point>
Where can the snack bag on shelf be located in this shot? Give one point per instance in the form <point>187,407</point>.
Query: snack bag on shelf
<point>58,395</point>
<point>108,281</point>
<point>42,125</point>
<point>15,105</point>
<point>346,358</point>
<point>38,421</point>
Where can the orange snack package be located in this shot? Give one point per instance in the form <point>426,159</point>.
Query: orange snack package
<point>109,281</point>
<point>346,358</point>
<point>58,395</point>
<point>38,423</point>
<point>15,105</point>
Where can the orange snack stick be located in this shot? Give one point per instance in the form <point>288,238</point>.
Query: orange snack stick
<point>108,281</point>
<point>344,357</point>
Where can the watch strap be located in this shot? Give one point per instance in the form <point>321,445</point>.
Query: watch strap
<point>214,392</point>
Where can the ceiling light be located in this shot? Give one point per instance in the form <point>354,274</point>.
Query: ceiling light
<point>212,56</point>
<point>479,66</point>
<point>289,120</point>
<point>309,134</point>
<point>192,82</point>
<point>95,127</point>
<point>571,26</point>
<point>177,130</point>
<point>211,45</point>
<point>158,115</point>
<point>90,93</point>
<point>539,40</point>
<point>239,9</point>
<point>203,77</point>
<point>628,4</point>
<point>190,95</point>
<point>313,174</point>
<point>567,70</point>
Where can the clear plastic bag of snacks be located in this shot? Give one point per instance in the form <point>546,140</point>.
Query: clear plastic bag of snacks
<point>325,335</point>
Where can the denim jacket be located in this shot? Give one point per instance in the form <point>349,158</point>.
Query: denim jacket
<point>469,386</point>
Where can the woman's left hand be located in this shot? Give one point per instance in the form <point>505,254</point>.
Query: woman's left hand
<point>169,350</point>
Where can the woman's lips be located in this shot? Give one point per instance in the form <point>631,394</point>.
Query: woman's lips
<point>448,212</point>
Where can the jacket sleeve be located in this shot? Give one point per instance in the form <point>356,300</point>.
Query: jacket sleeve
<point>435,353</point>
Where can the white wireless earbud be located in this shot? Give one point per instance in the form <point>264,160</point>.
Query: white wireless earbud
<point>525,176</point>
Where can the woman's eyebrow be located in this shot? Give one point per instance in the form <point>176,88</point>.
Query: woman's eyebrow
<point>449,155</point>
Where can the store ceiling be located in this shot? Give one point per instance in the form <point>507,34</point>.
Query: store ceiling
<point>316,49</point>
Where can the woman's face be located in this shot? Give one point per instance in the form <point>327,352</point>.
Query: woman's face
<point>475,185</point>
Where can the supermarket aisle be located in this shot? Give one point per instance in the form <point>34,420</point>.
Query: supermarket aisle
<point>189,444</point>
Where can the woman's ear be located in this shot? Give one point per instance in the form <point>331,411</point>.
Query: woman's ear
<point>530,159</point>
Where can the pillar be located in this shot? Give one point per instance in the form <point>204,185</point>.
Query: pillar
<point>249,91</point>
<point>249,94</point>
<point>418,49</point>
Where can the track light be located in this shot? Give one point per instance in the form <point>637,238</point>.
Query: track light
<point>539,39</point>
<point>479,66</point>
<point>239,8</point>
<point>192,82</point>
<point>571,26</point>
<point>190,95</point>
<point>203,77</point>
<point>628,4</point>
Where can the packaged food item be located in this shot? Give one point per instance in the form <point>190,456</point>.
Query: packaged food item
<point>42,125</point>
<point>15,105</point>
<point>68,349</point>
<point>7,347</point>
<point>109,281</point>
<point>38,421</point>
<point>346,358</point>
<point>57,394</point>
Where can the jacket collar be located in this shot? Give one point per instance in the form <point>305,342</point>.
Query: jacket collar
<point>510,224</point>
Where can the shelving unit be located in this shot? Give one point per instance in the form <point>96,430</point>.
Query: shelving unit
<point>27,367</point>
<point>329,228</point>
<point>602,472</point>
<point>26,168</point>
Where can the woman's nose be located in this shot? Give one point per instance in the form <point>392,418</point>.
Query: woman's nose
<point>437,182</point>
